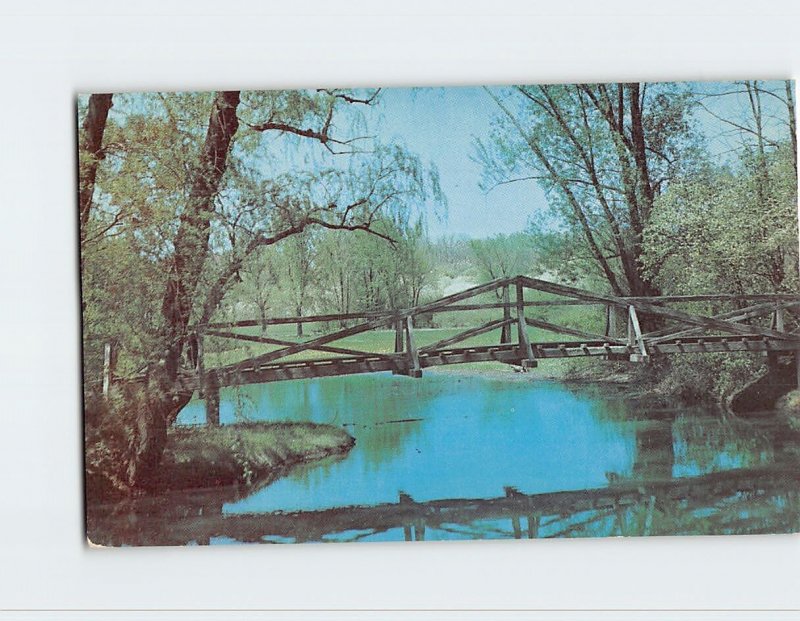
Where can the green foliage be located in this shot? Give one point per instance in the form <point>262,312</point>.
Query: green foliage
<point>727,231</point>
<point>700,378</point>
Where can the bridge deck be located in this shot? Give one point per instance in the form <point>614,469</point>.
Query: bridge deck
<point>509,353</point>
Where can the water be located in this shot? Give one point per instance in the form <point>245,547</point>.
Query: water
<point>469,454</point>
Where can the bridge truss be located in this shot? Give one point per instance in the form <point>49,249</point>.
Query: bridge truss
<point>755,323</point>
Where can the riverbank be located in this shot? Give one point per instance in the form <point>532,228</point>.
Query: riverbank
<point>610,377</point>
<point>708,381</point>
<point>245,453</point>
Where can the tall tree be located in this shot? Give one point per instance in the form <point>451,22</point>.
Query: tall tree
<point>202,198</point>
<point>602,153</point>
<point>90,152</point>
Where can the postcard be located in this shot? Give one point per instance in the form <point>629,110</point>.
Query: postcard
<point>419,314</point>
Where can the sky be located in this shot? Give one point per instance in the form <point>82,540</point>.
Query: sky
<point>441,125</point>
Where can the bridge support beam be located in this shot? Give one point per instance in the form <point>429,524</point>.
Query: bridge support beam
<point>635,336</point>
<point>398,340</point>
<point>414,369</point>
<point>522,329</point>
<point>505,334</point>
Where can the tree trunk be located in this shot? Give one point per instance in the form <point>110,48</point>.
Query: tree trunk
<point>165,396</point>
<point>90,152</point>
<point>299,323</point>
<point>792,121</point>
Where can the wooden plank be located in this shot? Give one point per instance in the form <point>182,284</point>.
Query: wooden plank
<point>441,304</point>
<point>551,327</point>
<point>312,344</point>
<point>328,368</point>
<point>749,312</point>
<point>653,309</point>
<point>271,321</point>
<point>628,300</point>
<point>462,336</point>
<point>271,341</point>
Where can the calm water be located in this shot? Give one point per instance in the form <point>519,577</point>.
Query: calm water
<point>469,454</point>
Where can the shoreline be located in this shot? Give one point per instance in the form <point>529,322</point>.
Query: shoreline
<point>242,454</point>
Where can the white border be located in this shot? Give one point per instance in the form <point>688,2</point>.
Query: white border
<point>49,51</point>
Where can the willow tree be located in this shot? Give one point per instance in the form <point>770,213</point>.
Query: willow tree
<point>602,153</point>
<point>191,188</point>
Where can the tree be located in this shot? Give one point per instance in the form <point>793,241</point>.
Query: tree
<point>295,271</point>
<point>90,152</point>
<point>724,231</point>
<point>602,153</point>
<point>502,256</point>
<point>192,202</point>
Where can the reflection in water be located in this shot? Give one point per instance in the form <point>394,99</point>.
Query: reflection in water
<point>451,457</point>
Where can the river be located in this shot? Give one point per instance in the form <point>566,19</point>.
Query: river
<point>459,456</point>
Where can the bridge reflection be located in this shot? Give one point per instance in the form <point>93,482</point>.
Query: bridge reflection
<point>731,502</point>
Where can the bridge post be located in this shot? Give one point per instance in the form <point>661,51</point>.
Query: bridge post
<point>522,328</point>
<point>398,340</point>
<point>505,334</point>
<point>635,336</point>
<point>414,370</point>
<point>533,525</point>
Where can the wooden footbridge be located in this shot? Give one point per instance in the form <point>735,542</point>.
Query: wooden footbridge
<point>756,323</point>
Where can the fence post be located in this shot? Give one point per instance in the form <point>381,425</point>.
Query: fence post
<point>522,327</point>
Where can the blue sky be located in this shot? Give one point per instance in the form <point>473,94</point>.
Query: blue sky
<point>440,125</point>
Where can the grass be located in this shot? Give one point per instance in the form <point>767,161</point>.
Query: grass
<point>197,457</point>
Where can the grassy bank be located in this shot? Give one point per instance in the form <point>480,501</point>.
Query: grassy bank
<point>202,457</point>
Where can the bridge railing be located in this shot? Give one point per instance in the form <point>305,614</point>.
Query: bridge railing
<point>675,327</point>
<point>634,328</point>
